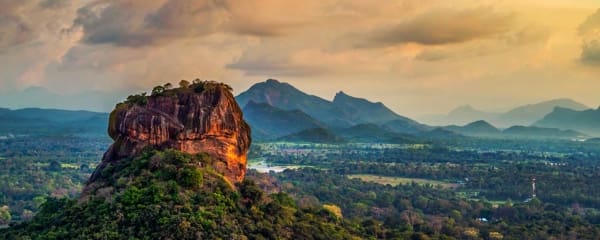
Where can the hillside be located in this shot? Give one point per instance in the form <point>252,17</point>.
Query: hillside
<point>524,115</point>
<point>285,96</point>
<point>539,132</point>
<point>528,114</point>
<point>343,111</point>
<point>586,121</point>
<point>373,133</point>
<point>52,121</point>
<point>270,122</point>
<point>477,128</point>
<point>176,171</point>
<point>360,110</point>
<point>177,200</point>
<point>314,135</point>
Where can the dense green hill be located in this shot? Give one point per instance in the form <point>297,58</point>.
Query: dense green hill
<point>314,135</point>
<point>165,195</point>
<point>270,122</point>
<point>373,133</point>
<point>360,110</point>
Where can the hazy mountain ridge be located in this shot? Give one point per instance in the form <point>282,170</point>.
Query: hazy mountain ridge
<point>270,122</point>
<point>285,96</point>
<point>524,115</point>
<point>484,129</point>
<point>38,120</point>
<point>343,111</point>
<point>279,111</point>
<point>477,128</point>
<point>314,135</point>
<point>586,121</point>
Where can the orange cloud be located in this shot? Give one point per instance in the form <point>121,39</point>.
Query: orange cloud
<point>444,26</point>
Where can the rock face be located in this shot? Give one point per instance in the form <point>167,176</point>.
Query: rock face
<point>203,117</point>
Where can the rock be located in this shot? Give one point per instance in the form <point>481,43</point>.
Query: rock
<point>203,117</point>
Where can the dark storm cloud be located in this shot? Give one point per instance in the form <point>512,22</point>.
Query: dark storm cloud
<point>444,27</point>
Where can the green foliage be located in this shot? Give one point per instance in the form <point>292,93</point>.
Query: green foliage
<point>26,175</point>
<point>5,215</point>
<point>166,195</point>
<point>184,84</point>
<point>208,85</point>
<point>251,194</point>
<point>138,99</point>
<point>424,212</point>
<point>158,91</point>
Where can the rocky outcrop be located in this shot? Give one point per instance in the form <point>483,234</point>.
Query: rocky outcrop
<point>201,118</point>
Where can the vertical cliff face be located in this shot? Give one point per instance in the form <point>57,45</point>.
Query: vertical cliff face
<point>201,118</point>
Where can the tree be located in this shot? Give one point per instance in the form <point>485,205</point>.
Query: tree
<point>184,84</point>
<point>5,215</point>
<point>54,166</point>
<point>251,193</point>
<point>168,86</point>
<point>337,211</point>
<point>158,90</point>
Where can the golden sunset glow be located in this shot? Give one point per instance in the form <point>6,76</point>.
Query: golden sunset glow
<point>417,57</point>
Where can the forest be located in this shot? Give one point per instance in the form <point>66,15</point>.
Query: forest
<point>486,192</point>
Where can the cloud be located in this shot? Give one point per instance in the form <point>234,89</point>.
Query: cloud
<point>444,26</point>
<point>589,30</point>
<point>431,55</point>
<point>135,23</point>
<point>590,53</point>
<point>591,24</point>
<point>263,62</point>
<point>14,29</point>
<point>271,18</point>
<point>54,3</point>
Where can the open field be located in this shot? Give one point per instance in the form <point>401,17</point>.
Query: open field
<point>394,181</point>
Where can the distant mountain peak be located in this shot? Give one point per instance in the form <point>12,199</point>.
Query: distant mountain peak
<point>342,96</point>
<point>343,111</point>
<point>272,81</point>
<point>479,123</point>
<point>464,108</point>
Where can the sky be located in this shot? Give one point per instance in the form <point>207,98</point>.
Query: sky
<point>416,56</point>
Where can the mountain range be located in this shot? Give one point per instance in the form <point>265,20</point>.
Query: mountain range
<point>343,111</point>
<point>278,111</point>
<point>587,121</point>
<point>524,115</point>
<point>37,120</point>
<point>482,128</point>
